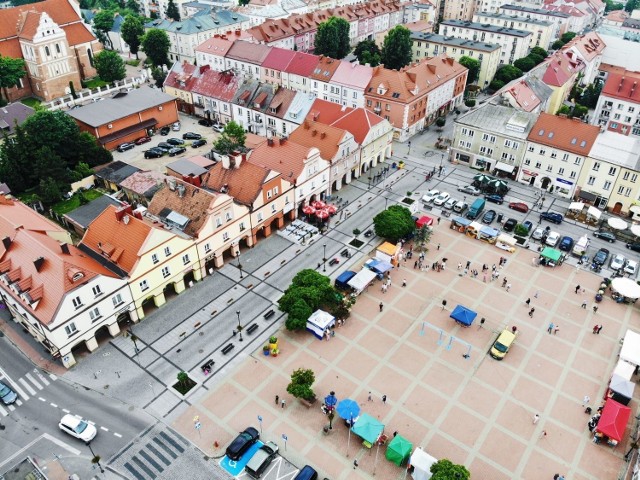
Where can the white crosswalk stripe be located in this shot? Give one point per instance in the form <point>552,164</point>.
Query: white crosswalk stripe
<point>33,381</point>
<point>20,392</point>
<point>41,377</point>
<point>26,385</point>
<point>3,412</point>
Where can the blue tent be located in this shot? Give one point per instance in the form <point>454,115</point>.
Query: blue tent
<point>463,315</point>
<point>378,266</point>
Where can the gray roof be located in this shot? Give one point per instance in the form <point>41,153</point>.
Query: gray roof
<point>12,113</point>
<point>186,168</point>
<point>540,11</point>
<point>86,214</point>
<point>500,119</point>
<point>513,18</point>
<point>116,171</point>
<point>120,105</point>
<point>203,21</point>
<point>453,41</point>
<point>485,27</point>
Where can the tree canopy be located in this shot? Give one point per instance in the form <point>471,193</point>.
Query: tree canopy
<point>632,5</point>
<point>539,51</point>
<point>132,30</point>
<point>394,223</point>
<point>300,385</point>
<point>232,138</point>
<point>508,73</point>
<point>446,470</point>
<point>368,52</point>
<point>109,65</point>
<point>332,38</point>
<point>44,153</point>
<point>525,64</point>
<point>472,65</point>
<point>102,24</point>
<point>172,11</point>
<point>590,95</point>
<point>11,71</point>
<point>396,48</point>
<point>155,44</point>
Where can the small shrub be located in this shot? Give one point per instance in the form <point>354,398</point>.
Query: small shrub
<point>470,103</point>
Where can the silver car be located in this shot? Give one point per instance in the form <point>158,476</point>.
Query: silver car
<point>450,203</point>
<point>631,268</point>
<point>7,395</point>
<point>617,262</point>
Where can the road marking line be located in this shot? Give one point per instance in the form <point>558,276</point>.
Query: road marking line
<point>42,399</point>
<point>90,422</point>
<point>15,385</point>
<point>41,377</point>
<point>104,428</point>
<point>65,410</point>
<point>3,412</point>
<point>117,435</point>
<point>24,383</point>
<point>46,436</point>
<point>53,377</point>
<point>33,380</point>
<point>18,402</point>
<point>53,405</point>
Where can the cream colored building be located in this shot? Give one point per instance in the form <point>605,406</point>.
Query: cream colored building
<point>426,45</point>
<point>541,30</point>
<point>457,9</point>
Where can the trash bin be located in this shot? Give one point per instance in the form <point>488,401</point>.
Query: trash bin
<point>500,216</point>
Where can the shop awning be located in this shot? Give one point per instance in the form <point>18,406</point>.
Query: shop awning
<point>424,220</point>
<point>594,212</point>
<point>576,206</point>
<point>551,253</point>
<point>589,197</point>
<point>613,421</point>
<point>505,167</point>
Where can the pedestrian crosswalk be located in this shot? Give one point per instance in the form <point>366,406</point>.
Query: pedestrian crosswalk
<point>26,387</point>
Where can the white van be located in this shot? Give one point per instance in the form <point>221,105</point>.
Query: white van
<point>580,248</point>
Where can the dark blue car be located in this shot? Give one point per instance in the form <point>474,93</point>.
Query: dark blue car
<point>242,443</point>
<point>566,244</point>
<point>495,199</point>
<point>551,217</point>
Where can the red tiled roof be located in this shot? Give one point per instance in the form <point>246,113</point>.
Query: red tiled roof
<point>589,45</point>
<point>217,45</point>
<point>568,134</point>
<point>302,64</point>
<point>625,86</point>
<point>357,121</point>
<point>523,95</point>
<point>79,33</point>
<point>244,183</point>
<point>219,85</point>
<point>285,157</point>
<point>30,22</point>
<point>281,102</point>
<point>325,138</point>
<point>15,215</point>
<point>278,58</point>
<point>248,52</point>
<point>561,69</point>
<point>325,68</point>
<point>60,11</point>
<point>182,76</point>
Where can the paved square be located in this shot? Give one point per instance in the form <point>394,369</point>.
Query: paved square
<point>474,411</point>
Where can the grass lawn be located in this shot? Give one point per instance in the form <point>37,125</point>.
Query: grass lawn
<point>74,202</point>
<point>94,83</point>
<point>133,62</point>
<point>31,102</point>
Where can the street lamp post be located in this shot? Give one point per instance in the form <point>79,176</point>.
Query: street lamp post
<point>95,458</point>
<point>239,264</point>
<point>324,258</point>
<point>239,326</point>
<point>369,186</point>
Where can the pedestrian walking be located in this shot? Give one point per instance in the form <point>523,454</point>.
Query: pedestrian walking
<point>550,328</point>
<point>438,246</point>
<point>528,302</point>
<point>586,400</point>
<point>543,434</point>
<point>404,282</point>
<point>484,278</point>
<point>369,398</point>
<point>504,282</point>
<point>278,398</point>
<point>514,329</point>
<point>438,220</point>
<point>508,287</point>
<point>555,330</point>
<point>459,265</point>
<point>531,312</point>
<point>415,265</point>
<point>535,295</point>
<point>384,399</point>
<point>283,403</point>
<point>595,329</point>
<point>444,304</point>
<point>536,418</point>
<point>381,306</point>
<point>599,328</point>
<point>595,309</point>
<point>584,304</point>
<point>577,289</point>
<point>468,263</point>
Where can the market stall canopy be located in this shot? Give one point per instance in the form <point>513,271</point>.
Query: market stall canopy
<point>319,321</point>
<point>368,428</point>
<point>613,421</point>
<point>378,266</point>
<point>617,223</point>
<point>424,220</point>
<point>622,386</point>
<point>630,350</point>
<point>635,229</point>
<point>482,178</point>
<point>576,206</point>
<point>463,315</point>
<point>399,450</point>
<point>624,369</point>
<point>362,279</point>
<point>626,287</point>
<point>421,462</point>
<point>594,212</point>
<point>551,253</point>
<point>489,232</point>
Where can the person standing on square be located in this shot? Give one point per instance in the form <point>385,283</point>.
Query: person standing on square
<point>384,399</point>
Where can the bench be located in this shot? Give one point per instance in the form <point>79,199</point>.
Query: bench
<point>269,314</point>
<point>307,403</point>
<point>207,367</point>
<point>228,348</point>
<point>252,328</point>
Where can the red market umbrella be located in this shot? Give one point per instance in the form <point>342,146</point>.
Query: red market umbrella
<point>332,209</point>
<point>424,220</point>
<point>322,214</point>
<point>319,205</point>
<point>308,210</point>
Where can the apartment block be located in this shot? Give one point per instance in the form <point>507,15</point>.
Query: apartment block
<point>541,30</point>
<point>618,107</point>
<point>560,20</point>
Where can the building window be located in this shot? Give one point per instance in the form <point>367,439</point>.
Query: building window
<point>626,175</point>
<point>228,216</point>
<point>542,152</point>
<point>96,290</point>
<point>596,166</point>
<point>71,329</point>
<point>607,185</point>
<point>144,285</point>
<point>527,162</point>
<point>77,303</point>
<point>561,171</point>
<point>565,157</point>
<point>538,165</point>
<point>242,227</point>
<point>573,174</point>
<point>225,236</point>
<point>207,248</point>
<point>167,251</point>
<point>620,190</point>
<point>530,148</point>
<point>260,217</point>
<point>185,259</point>
<point>218,222</point>
<point>117,300</point>
<point>627,192</point>
<point>275,190</point>
<point>554,155</point>
<point>612,170</point>
<point>634,177</point>
<point>577,161</point>
<point>94,314</point>
<point>591,180</point>
<point>165,272</point>
<point>154,258</point>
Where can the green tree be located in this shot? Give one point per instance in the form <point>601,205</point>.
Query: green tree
<point>537,59</point>
<point>155,44</point>
<point>564,110</point>
<point>473,66</point>
<point>49,191</point>
<point>300,385</point>
<point>332,38</point>
<point>172,11</point>
<point>242,3</point>
<point>539,51</point>
<point>394,223</point>
<point>102,24</point>
<point>441,121</point>
<point>632,5</point>
<point>11,71</point>
<point>508,73</point>
<point>557,45</point>
<point>367,50</point>
<point>496,85</point>
<point>132,30</point>
<point>183,378</point>
<point>589,97</point>
<point>446,470</point>
<point>567,37</point>
<point>580,111</point>
<point>109,65</point>
<point>525,64</point>
<point>611,6</point>
<point>159,75</point>
<point>396,48</point>
<point>133,6</point>
<point>232,138</point>
<point>298,314</point>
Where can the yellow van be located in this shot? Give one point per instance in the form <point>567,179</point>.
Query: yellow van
<point>502,345</point>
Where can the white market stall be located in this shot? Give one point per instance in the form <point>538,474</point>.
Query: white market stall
<point>362,280</point>
<point>624,369</point>
<point>506,242</point>
<point>421,463</point>
<point>319,322</point>
<point>631,348</point>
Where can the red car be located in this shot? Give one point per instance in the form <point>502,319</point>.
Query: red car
<point>519,206</point>
<point>142,140</point>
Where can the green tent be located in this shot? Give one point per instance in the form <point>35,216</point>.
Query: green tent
<point>399,450</point>
<point>552,254</point>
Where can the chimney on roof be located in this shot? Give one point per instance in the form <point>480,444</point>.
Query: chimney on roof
<point>283,140</point>
<point>323,135</point>
<point>6,241</point>
<point>238,31</point>
<point>270,142</point>
<point>38,262</point>
<point>65,248</point>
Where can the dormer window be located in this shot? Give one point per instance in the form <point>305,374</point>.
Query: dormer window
<point>77,276</point>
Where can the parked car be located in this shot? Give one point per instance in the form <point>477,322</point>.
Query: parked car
<point>198,143</point>
<point>600,258</point>
<point>450,203</point>
<point>191,136</point>
<point>242,443</point>
<point>7,395</point>
<point>176,127</point>
<point>566,244</point>
<point>165,130</point>
<point>430,196</point>
<point>538,233</point>
<point>633,246</point>
<point>261,459</point>
<point>528,225</point>
<point>631,268</point>
<point>77,427</point>
<point>142,140</point>
<point>154,153</point>
<point>551,217</point>
<point>509,225</point>
<point>489,216</point>
<point>617,262</point>
<point>218,128</point>
<point>164,146</point>
<point>608,236</point>
<point>469,189</point>
<point>123,147</point>
<point>307,473</point>
<point>441,199</point>
<point>552,239</point>
<point>501,346</point>
<point>175,141</point>
<point>519,207</point>
<point>460,206</point>
<point>205,122</point>
<point>176,151</point>
<point>494,198</point>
